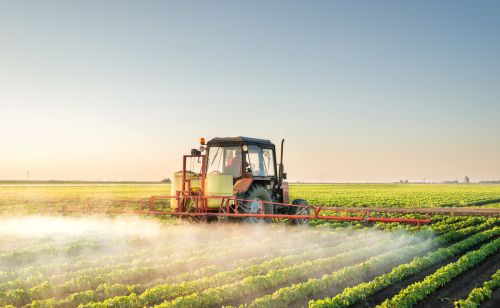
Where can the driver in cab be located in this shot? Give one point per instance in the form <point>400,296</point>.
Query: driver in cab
<point>233,163</point>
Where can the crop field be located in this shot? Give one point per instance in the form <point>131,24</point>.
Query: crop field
<point>399,195</point>
<point>14,196</point>
<point>126,261</point>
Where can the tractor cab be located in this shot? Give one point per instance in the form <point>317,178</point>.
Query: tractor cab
<point>242,157</point>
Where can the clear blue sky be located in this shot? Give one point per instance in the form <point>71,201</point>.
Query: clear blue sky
<point>361,90</point>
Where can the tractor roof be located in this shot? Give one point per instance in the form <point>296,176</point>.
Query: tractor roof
<point>239,140</point>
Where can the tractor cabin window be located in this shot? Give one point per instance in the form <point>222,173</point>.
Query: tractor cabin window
<point>268,156</point>
<point>260,162</point>
<point>225,160</point>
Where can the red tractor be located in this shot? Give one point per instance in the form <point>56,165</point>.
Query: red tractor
<point>237,177</point>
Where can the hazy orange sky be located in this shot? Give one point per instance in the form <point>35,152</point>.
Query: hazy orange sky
<point>362,92</point>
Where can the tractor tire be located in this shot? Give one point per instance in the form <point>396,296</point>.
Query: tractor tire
<point>295,210</point>
<point>256,192</point>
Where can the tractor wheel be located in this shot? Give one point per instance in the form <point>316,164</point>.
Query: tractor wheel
<point>256,193</point>
<point>299,210</point>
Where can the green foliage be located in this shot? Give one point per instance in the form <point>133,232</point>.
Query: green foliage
<point>32,197</point>
<point>396,195</point>
<point>303,291</point>
<point>419,290</point>
<point>354,294</point>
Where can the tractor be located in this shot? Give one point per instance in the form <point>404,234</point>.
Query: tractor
<point>238,177</point>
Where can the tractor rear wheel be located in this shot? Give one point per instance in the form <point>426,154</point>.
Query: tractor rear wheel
<point>256,193</point>
<point>300,210</point>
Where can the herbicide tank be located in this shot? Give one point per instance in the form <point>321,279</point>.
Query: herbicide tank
<point>177,184</point>
<point>218,184</point>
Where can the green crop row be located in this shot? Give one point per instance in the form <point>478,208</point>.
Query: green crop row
<point>350,296</point>
<point>395,195</point>
<point>241,275</point>
<point>419,290</point>
<point>313,250</point>
<point>17,258</point>
<point>108,263</point>
<point>93,262</point>
<point>304,291</point>
<point>76,280</point>
<point>31,198</point>
<point>259,283</point>
<point>84,297</point>
<point>87,281</point>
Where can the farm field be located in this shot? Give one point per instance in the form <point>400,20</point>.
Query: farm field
<point>30,197</point>
<point>125,261</point>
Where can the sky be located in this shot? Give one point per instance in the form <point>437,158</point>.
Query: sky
<point>362,91</point>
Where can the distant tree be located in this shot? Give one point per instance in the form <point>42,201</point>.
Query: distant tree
<point>167,181</point>
<point>466,180</point>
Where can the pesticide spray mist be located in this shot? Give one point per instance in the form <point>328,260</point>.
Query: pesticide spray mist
<point>61,249</point>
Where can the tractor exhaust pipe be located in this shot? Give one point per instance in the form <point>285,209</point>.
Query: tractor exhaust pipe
<point>281,173</point>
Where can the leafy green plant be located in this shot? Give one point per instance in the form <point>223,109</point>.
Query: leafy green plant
<point>419,290</point>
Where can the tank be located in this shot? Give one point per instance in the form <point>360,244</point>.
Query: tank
<point>218,184</point>
<point>177,184</point>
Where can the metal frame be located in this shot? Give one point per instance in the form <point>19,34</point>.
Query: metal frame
<point>230,207</point>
